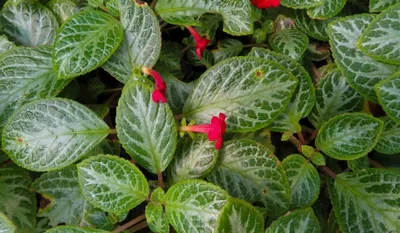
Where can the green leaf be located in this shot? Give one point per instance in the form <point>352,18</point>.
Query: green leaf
<point>193,160</point>
<point>156,218</point>
<point>141,42</point>
<point>101,110</point>
<point>358,164</point>
<point>17,202</point>
<point>290,42</point>
<point>333,226</point>
<point>207,59</point>
<point>303,98</point>
<point>235,14</point>
<point>147,130</point>
<point>112,184</point>
<point>252,92</point>
<point>389,139</point>
<point>49,134</point>
<point>334,96</point>
<point>95,87</point>
<point>209,24</point>
<point>303,179</point>
<point>158,195</point>
<point>260,34</point>
<point>84,42</point>
<point>327,10</point>
<point>170,55</point>
<point>349,136</point>
<point>367,201</point>
<point>380,5</point>
<point>74,229</point>
<point>317,52</point>
<point>227,48</point>
<point>381,38</point>
<point>62,9</point>
<point>249,171</point>
<point>26,74</point>
<point>29,23</point>
<point>299,221</point>
<point>42,225</point>
<point>193,206</point>
<point>67,204</point>
<point>361,71</point>
<point>317,29</point>
<point>301,4</point>
<point>98,218</point>
<point>5,44</point>
<point>6,226</point>
<point>70,91</point>
<point>388,92</point>
<point>239,216</point>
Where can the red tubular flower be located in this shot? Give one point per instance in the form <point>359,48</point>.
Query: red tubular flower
<point>265,3</point>
<point>201,42</point>
<point>215,129</point>
<point>158,95</point>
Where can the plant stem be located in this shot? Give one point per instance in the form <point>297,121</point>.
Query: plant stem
<point>112,90</point>
<point>153,4</point>
<point>130,223</point>
<point>111,99</point>
<point>112,131</point>
<point>328,171</point>
<point>170,28</point>
<point>255,45</point>
<point>375,163</point>
<point>179,117</point>
<point>301,137</point>
<point>296,142</point>
<point>160,180</point>
<point>139,226</point>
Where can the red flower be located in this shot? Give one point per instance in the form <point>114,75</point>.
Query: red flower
<point>265,3</point>
<point>215,129</point>
<point>201,42</point>
<point>158,95</point>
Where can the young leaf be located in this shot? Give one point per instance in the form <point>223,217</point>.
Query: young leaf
<point>74,229</point>
<point>303,98</point>
<point>380,5</point>
<point>67,204</point>
<point>227,48</point>
<point>239,216</point>
<point>112,184</point>
<point>6,226</point>
<point>84,42</point>
<point>299,221</point>
<point>381,38</point>
<point>156,218</point>
<point>141,42</point>
<point>388,92</point>
<point>389,139</point>
<point>235,14</point>
<point>327,10</point>
<point>5,44</point>
<point>62,9</point>
<point>303,179</point>
<point>147,130</point>
<point>158,195</point>
<point>49,134</point>
<point>301,4</point>
<point>317,29</point>
<point>367,201</point>
<point>29,23</point>
<point>361,71</point>
<point>17,202</point>
<point>249,171</point>
<point>334,96</point>
<point>193,206</point>
<point>291,42</point>
<point>358,164</point>
<point>193,160</point>
<point>252,92</point>
<point>349,136</point>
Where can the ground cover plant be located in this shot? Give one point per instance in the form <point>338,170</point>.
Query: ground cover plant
<point>200,116</point>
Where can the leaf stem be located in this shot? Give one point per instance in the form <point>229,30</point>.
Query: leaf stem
<point>179,117</point>
<point>130,223</point>
<point>153,4</point>
<point>328,171</point>
<point>160,180</point>
<point>139,226</point>
<point>112,131</point>
<point>301,137</point>
<point>313,135</point>
<point>112,90</point>
<point>375,163</point>
<point>255,45</point>
<point>296,142</point>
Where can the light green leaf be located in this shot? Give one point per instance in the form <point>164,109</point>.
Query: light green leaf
<point>5,44</point>
<point>74,229</point>
<point>327,10</point>
<point>249,171</point>
<point>17,202</point>
<point>303,98</point>
<point>193,160</point>
<point>303,179</point>
<point>235,14</point>
<point>141,42</point>
<point>84,42</point>
<point>299,221</point>
<point>239,216</point>
<point>156,218</point>
<point>227,48</point>
<point>62,9</point>
<point>381,39</point>
<point>380,5</point>
<point>367,201</point>
<point>358,164</point>
<point>290,42</point>
<point>388,92</point>
<point>49,134</point>
<point>158,195</point>
<point>193,206</point>
<point>252,92</point>
<point>317,29</point>
<point>67,204</point>
<point>334,96</point>
<point>349,136</point>
<point>389,139</point>
<point>147,130</point>
<point>112,184</point>
<point>29,23</point>
<point>6,226</point>
<point>301,4</point>
<point>26,74</point>
<point>361,71</point>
